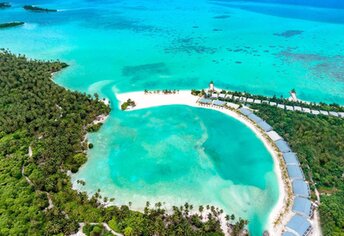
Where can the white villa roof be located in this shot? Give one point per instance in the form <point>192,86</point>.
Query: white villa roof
<point>305,109</point>
<point>257,101</point>
<point>249,100</point>
<point>289,108</point>
<point>273,135</point>
<point>297,108</point>
<point>333,113</point>
<point>214,95</point>
<point>265,101</point>
<point>222,95</point>
<point>315,112</point>
<point>232,105</point>
<point>341,114</point>
<point>324,112</point>
<point>273,103</point>
<point>280,106</point>
<point>229,96</point>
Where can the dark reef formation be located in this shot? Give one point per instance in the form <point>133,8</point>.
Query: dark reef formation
<point>38,9</point>
<point>289,33</point>
<point>11,24</point>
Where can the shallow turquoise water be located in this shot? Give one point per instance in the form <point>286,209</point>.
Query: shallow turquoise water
<point>150,44</point>
<point>175,154</point>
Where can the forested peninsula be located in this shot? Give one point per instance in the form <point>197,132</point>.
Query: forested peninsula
<point>42,137</point>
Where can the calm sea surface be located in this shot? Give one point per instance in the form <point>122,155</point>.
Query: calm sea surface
<point>176,154</point>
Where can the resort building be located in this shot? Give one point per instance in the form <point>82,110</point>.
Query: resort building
<point>255,118</point>
<point>333,113</point>
<point>283,146</point>
<point>219,103</point>
<point>341,114</point>
<point>297,108</point>
<point>290,158</point>
<point>205,101</point>
<point>264,126</point>
<point>257,101</point>
<point>289,108</point>
<point>315,112</point>
<point>274,136</point>
<point>229,96</point>
<point>293,96</point>
<point>245,111</point>
<point>325,113</point>
<point>302,209</point>
<point>295,172</point>
<point>211,86</point>
<point>249,100</point>
<point>302,206</point>
<point>280,106</point>
<point>299,225</point>
<point>214,95</point>
<point>306,110</point>
<point>273,104</point>
<point>242,99</point>
<point>300,188</point>
<point>222,95</point>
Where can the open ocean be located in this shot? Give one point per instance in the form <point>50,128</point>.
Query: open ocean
<point>177,154</point>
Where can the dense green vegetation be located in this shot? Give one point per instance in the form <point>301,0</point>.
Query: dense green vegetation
<point>319,144</point>
<point>11,24</point>
<point>42,130</point>
<point>127,104</point>
<point>38,9</point>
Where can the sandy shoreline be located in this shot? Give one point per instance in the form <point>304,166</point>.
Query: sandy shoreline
<point>184,97</point>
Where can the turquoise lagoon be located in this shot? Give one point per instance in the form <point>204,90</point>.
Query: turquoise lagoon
<point>177,154</point>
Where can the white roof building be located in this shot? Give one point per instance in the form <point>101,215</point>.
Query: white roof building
<point>257,101</point>
<point>214,95</point>
<point>289,108</point>
<point>274,136</point>
<point>306,110</point>
<point>315,112</point>
<point>333,113</point>
<point>297,108</point>
<point>250,100</point>
<point>324,112</point>
<point>280,106</point>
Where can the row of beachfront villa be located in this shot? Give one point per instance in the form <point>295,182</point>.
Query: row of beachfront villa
<point>300,222</point>
<point>248,100</point>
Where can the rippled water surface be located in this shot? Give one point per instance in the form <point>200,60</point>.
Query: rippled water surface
<point>157,154</point>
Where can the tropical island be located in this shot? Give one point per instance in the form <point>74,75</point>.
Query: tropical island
<point>305,140</point>
<point>11,24</point>
<point>42,140</point>
<point>38,9</point>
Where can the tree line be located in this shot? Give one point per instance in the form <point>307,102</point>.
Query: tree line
<point>35,112</point>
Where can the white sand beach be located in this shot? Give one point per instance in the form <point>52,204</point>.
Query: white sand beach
<point>185,97</point>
